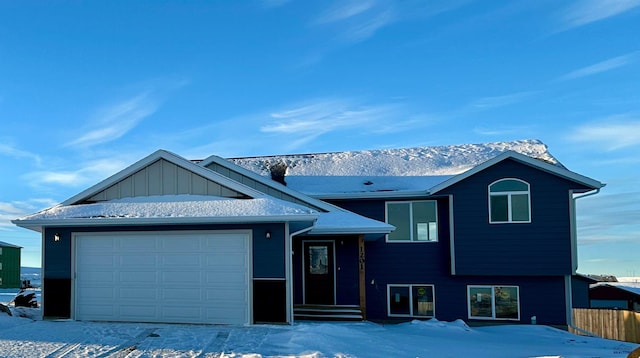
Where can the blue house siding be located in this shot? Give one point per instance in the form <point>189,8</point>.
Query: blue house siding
<point>346,268</point>
<point>542,297</point>
<point>542,247</point>
<point>268,264</point>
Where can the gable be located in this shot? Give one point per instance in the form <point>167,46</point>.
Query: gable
<point>262,184</point>
<point>163,178</point>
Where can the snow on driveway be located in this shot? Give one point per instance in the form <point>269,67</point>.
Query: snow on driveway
<point>23,337</point>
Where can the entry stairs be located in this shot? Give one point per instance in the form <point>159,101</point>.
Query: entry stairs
<point>327,313</point>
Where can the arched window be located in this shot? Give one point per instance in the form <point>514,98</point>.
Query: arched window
<point>509,201</point>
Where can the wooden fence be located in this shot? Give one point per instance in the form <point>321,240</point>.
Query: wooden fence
<point>621,325</point>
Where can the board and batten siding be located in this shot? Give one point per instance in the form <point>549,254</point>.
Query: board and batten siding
<point>541,247</point>
<point>163,178</point>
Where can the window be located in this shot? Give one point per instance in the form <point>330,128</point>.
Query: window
<point>415,221</point>
<point>509,201</point>
<point>410,300</point>
<point>494,302</point>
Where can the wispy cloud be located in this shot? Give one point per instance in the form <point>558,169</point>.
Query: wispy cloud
<point>15,209</point>
<point>309,121</point>
<point>302,125</point>
<point>486,103</point>
<point>600,67</point>
<point>115,121</point>
<point>357,20</point>
<point>89,173</point>
<point>612,133</point>
<point>11,151</point>
<point>588,11</point>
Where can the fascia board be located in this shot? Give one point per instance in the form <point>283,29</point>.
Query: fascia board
<point>268,182</point>
<point>172,158</point>
<point>536,163</point>
<point>349,231</point>
<point>88,222</point>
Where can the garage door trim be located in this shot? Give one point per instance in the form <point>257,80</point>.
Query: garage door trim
<point>247,236</point>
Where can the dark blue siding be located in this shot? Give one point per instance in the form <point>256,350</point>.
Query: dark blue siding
<point>347,270</point>
<point>580,291</point>
<point>542,247</point>
<point>268,257</point>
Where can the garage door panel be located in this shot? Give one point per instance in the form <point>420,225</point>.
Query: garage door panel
<point>178,277</point>
<point>129,260</point>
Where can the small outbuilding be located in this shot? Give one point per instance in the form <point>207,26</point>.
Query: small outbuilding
<point>615,295</point>
<point>9,265</point>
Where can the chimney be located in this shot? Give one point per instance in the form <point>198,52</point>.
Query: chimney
<point>278,172</point>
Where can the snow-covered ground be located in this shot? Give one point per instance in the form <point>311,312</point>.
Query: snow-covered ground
<point>26,337</point>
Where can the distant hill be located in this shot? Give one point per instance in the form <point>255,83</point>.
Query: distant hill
<point>33,274</point>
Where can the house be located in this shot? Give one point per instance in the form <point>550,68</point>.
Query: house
<point>481,232</point>
<point>9,265</point>
<point>615,295</point>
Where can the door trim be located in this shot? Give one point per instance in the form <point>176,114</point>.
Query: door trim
<point>304,255</point>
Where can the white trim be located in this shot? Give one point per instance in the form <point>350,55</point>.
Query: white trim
<point>245,232</point>
<point>536,163</point>
<point>38,224</point>
<point>304,255</point>
<point>410,286</point>
<point>493,303</point>
<point>452,241</point>
<point>411,239</point>
<point>509,195</point>
<point>289,269</point>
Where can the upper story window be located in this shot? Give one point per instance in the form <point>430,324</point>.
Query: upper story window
<point>415,221</point>
<point>509,201</point>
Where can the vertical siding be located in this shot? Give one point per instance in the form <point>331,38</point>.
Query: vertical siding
<point>10,271</point>
<point>163,178</point>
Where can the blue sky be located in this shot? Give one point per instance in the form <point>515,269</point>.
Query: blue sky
<point>87,88</point>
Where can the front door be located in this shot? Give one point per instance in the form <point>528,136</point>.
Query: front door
<point>319,273</point>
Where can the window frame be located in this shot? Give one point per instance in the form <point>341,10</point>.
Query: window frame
<point>509,195</point>
<point>410,286</point>
<point>493,302</point>
<point>413,235</point>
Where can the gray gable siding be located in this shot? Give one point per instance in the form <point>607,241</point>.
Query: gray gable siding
<point>542,247</point>
<point>254,184</point>
<point>163,178</point>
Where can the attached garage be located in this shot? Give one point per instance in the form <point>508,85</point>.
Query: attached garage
<point>163,276</point>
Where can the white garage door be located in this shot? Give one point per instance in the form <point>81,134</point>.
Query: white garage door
<point>178,277</point>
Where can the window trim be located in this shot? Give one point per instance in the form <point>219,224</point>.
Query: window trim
<point>509,195</point>
<point>410,287</point>
<point>410,203</point>
<point>493,303</point>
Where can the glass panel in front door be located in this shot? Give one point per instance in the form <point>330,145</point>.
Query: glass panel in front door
<point>318,260</point>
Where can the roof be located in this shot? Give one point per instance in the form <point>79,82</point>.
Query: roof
<point>409,172</point>
<point>631,287</point>
<point>6,244</point>
<point>417,161</point>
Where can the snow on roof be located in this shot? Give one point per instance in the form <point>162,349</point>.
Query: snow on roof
<point>174,206</point>
<point>346,222</point>
<point>633,287</point>
<point>202,208</point>
<point>418,161</point>
<point>328,186</point>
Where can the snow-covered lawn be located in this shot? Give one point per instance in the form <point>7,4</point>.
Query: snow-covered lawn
<point>24,337</point>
